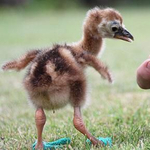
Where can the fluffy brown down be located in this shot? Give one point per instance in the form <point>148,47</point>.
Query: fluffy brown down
<point>55,76</point>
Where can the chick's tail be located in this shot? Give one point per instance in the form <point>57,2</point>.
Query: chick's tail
<point>22,62</point>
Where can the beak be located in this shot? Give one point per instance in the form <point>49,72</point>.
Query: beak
<point>123,34</point>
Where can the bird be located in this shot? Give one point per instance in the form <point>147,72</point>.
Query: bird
<point>56,76</point>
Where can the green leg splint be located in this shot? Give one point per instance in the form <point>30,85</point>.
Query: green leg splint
<point>107,141</point>
<point>59,143</point>
<point>54,145</point>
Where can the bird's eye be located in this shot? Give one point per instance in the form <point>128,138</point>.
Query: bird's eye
<point>114,29</point>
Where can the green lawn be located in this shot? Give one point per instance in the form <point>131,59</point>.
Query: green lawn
<point>120,110</point>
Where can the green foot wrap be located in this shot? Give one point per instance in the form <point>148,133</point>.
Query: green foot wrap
<point>54,145</point>
<point>106,141</point>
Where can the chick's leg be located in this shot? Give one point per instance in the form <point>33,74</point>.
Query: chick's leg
<point>40,120</point>
<point>79,125</point>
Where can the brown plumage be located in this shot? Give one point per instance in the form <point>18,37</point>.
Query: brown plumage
<point>56,77</point>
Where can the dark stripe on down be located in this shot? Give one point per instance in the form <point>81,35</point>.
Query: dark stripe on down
<point>40,77</point>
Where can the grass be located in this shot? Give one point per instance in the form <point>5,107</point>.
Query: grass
<point>120,111</point>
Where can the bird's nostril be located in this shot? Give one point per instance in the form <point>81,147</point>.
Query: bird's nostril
<point>125,32</point>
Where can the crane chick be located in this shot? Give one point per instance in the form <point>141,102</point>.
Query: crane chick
<point>55,75</point>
